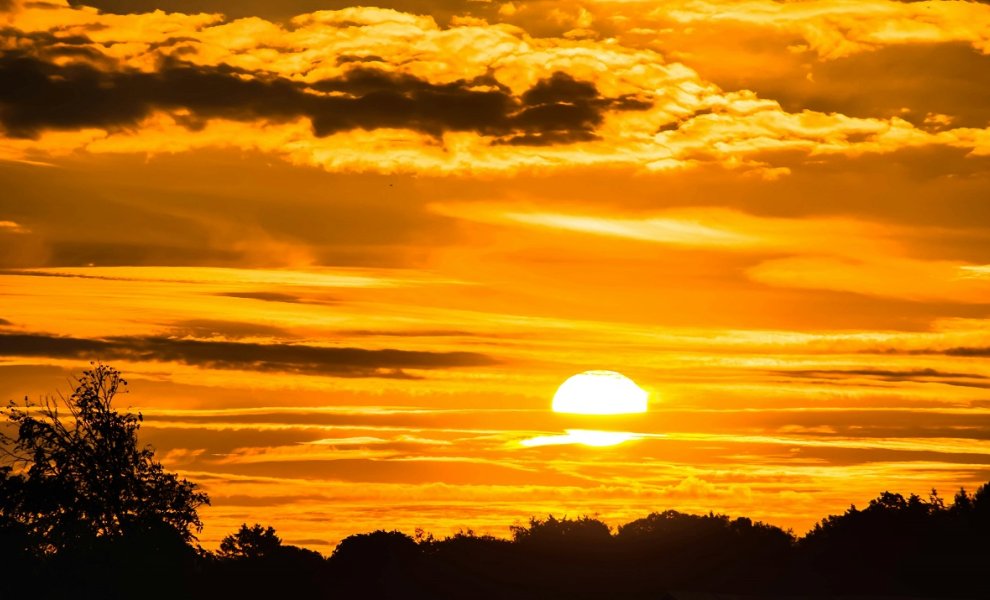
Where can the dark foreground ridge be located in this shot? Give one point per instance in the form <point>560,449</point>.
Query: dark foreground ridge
<point>87,513</point>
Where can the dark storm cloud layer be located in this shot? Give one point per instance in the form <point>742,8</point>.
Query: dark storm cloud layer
<point>289,358</point>
<point>36,95</point>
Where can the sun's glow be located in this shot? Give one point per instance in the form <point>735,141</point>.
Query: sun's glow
<point>585,437</point>
<point>599,393</point>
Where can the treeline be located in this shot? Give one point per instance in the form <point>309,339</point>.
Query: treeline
<point>86,513</point>
<point>896,546</point>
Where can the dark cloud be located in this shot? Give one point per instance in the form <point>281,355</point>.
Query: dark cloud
<point>27,273</point>
<point>968,351</point>
<point>441,10</point>
<point>82,253</point>
<point>5,323</point>
<point>892,375</point>
<point>213,328</point>
<point>290,358</point>
<point>269,297</point>
<point>907,81</point>
<point>908,374</point>
<point>961,351</point>
<point>36,95</point>
<point>214,207</point>
<point>50,45</point>
<point>353,58</point>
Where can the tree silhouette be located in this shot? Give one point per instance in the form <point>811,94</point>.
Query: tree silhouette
<point>380,564</point>
<point>562,532</point>
<point>250,542</point>
<point>709,551</point>
<point>254,563</point>
<point>76,473</point>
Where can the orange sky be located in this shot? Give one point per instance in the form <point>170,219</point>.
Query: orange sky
<point>345,255</point>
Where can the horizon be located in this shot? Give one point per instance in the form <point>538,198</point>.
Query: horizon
<point>346,256</point>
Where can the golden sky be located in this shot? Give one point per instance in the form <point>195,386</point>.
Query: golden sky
<point>345,255</point>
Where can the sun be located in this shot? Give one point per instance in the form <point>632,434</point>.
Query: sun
<point>599,393</point>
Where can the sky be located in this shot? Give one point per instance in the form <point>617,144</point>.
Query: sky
<point>345,255</point>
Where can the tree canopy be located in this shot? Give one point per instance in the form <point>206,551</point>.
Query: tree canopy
<point>252,542</point>
<point>76,472</point>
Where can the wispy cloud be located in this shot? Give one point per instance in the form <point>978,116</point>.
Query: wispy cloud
<point>289,358</point>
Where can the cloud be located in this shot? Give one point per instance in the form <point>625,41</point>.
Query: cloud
<point>289,358</point>
<point>923,375</point>
<point>278,297</point>
<point>904,375</point>
<point>834,28</point>
<point>959,351</point>
<point>265,297</point>
<point>410,95</point>
<point>36,95</point>
<point>12,227</point>
<point>968,352</point>
<point>215,328</point>
<point>443,10</point>
<point>889,276</point>
<point>913,82</point>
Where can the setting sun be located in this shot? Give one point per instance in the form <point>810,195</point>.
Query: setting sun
<point>599,393</point>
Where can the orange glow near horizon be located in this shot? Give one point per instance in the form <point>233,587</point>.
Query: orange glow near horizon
<point>595,439</point>
<point>347,257</point>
